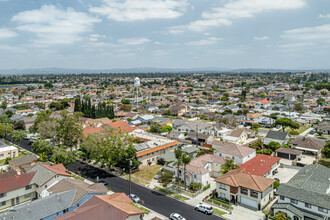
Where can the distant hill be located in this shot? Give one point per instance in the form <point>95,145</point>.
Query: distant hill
<point>147,70</point>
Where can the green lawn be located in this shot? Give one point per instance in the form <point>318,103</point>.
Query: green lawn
<point>147,173</point>
<point>140,207</point>
<point>167,192</point>
<point>300,130</point>
<point>219,212</point>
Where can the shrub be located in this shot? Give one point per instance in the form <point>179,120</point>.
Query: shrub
<point>276,184</point>
<point>195,186</point>
<point>294,133</point>
<point>206,187</point>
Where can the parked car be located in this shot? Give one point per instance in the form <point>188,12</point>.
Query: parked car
<point>277,179</point>
<point>312,132</point>
<point>176,216</point>
<point>104,183</point>
<point>134,198</point>
<point>204,208</point>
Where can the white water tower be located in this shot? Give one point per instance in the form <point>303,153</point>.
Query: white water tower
<point>137,85</point>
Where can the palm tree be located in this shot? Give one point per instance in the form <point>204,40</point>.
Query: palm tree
<point>178,156</point>
<point>185,160</point>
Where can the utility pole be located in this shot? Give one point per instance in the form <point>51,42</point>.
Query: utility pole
<point>196,136</point>
<point>130,165</point>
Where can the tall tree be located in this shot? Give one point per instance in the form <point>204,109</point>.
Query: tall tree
<point>178,156</point>
<point>69,129</point>
<point>185,160</point>
<point>229,165</point>
<point>286,122</point>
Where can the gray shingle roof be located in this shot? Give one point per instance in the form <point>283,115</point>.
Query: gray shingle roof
<point>43,175</point>
<point>297,211</point>
<point>278,135</point>
<point>311,184</point>
<point>23,160</point>
<point>41,208</point>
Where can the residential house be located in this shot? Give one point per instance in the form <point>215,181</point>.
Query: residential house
<point>277,136</point>
<point>84,191</point>
<point>288,153</point>
<point>261,165</point>
<point>200,169</point>
<point>28,122</point>
<point>111,207</point>
<point>308,145</point>
<point>46,176</point>
<point>176,134</point>
<point>91,130</point>
<point>152,147</point>
<point>46,208</point>
<point>240,135</point>
<point>324,127</point>
<point>247,189</point>
<point>264,103</point>
<point>16,189</point>
<point>306,195</point>
<point>197,138</point>
<point>21,163</point>
<point>236,152</point>
<point>7,151</point>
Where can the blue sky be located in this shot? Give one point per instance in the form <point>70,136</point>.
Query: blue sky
<point>165,33</point>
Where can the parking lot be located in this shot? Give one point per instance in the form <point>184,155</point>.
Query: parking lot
<point>285,174</point>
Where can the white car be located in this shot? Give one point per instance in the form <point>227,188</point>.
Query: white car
<point>176,216</point>
<point>204,208</point>
<point>134,198</point>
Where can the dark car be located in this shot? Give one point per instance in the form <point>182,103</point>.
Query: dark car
<point>104,183</point>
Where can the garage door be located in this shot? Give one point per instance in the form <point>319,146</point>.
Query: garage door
<point>283,155</point>
<point>249,202</point>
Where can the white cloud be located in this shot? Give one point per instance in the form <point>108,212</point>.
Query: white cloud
<point>294,45</point>
<point>208,41</point>
<point>133,41</point>
<point>53,25</point>
<point>324,16</point>
<point>133,10</point>
<point>261,38</point>
<point>95,37</point>
<point>6,33</point>
<point>239,9</point>
<point>321,32</point>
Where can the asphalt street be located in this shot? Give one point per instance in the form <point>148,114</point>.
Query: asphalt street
<point>149,198</point>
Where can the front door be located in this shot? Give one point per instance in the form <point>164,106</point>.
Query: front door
<point>12,202</point>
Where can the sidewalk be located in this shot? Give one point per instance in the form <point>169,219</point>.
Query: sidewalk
<point>306,132</point>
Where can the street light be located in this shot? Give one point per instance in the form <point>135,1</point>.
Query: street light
<point>130,165</point>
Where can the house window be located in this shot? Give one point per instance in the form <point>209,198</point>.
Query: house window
<point>28,187</point>
<point>3,195</point>
<point>294,201</point>
<point>1,155</point>
<point>307,205</point>
<point>3,203</point>
<point>323,210</point>
<point>244,191</point>
<point>281,197</point>
<point>45,186</point>
<point>222,186</point>
<point>195,176</point>
<point>65,211</point>
<point>254,194</point>
<point>27,195</point>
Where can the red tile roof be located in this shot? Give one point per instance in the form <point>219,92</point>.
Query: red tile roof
<point>59,169</point>
<point>15,182</point>
<point>264,101</point>
<point>91,130</point>
<point>111,207</point>
<point>122,125</point>
<point>259,165</point>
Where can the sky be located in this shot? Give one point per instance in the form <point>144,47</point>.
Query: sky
<point>105,34</point>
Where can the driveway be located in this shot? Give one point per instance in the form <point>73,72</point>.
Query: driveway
<point>285,174</point>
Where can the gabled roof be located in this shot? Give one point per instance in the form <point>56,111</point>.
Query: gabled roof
<point>235,149</point>
<point>15,182</point>
<point>111,207</point>
<point>41,208</point>
<point>259,165</point>
<point>59,169</point>
<point>277,135</point>
<point>264,101</point>
<point>311,184</point>
<point>91,130</point>
<point>308,143</point>
<point>82,188</point>
<point>23,160</point>
<point>237,178</point>
<point>44,173</point>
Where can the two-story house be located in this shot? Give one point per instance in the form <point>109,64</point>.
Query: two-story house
<point>236,152</point>
<point>239,135</point>
<point>264,103</point>
<point>239,187</point>
<point>16,189</point>
<point>306,195</point>
<point>261,165</point>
